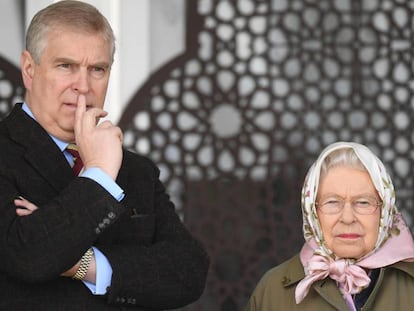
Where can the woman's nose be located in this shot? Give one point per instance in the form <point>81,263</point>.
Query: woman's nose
<point>348,213</point>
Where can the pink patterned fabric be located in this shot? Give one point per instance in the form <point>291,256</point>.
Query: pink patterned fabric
<point>352,277</point>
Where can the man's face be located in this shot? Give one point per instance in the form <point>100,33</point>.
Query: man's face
<point>71,64</point>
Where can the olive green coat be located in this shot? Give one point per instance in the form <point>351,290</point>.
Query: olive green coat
<point>394,290</point>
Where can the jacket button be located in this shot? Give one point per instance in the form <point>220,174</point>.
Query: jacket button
<point>285,280</point>
<point>131,301</point>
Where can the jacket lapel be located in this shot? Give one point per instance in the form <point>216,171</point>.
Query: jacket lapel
<point>328,290</point>
<point>41,152</point>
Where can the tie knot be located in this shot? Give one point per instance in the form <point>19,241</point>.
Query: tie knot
<point>73,150</point>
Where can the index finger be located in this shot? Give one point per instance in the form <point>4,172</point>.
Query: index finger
<point>86,118</point>
<point>80,111</point>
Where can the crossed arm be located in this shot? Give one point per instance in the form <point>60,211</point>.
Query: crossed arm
<point>24,208</point>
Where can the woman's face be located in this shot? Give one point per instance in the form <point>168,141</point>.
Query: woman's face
<point>347,233</point>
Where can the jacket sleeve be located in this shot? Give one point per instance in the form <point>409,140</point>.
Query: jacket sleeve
<point>157,263</point>
<point>39,247</point>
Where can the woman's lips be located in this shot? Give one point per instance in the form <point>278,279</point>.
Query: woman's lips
<point>349,236</point>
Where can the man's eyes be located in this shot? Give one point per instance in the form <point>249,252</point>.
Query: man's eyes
<point>98,69</point>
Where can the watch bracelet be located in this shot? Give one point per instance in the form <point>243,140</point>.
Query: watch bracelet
<point>84,265</point>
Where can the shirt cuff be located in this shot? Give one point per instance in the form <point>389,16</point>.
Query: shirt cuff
<point>103,274</point>
<point>105,181</point>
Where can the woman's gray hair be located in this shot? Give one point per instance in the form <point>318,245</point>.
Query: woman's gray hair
<point>344,156</point>
<point>67,15</point>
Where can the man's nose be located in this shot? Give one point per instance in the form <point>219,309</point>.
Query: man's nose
<point>81,83</point>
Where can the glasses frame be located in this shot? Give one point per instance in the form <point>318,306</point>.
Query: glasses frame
<point>323,211</point>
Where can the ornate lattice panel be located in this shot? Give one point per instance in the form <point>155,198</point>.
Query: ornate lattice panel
<point>11,87</point>
<point>235,122</point>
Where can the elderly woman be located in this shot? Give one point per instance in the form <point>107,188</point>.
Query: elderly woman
<point>358,254</point>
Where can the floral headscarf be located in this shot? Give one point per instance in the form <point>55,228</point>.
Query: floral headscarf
<point>394,243</point>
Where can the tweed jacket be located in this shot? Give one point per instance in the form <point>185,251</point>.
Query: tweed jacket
<point>276,290</point>
<point>156,263</point>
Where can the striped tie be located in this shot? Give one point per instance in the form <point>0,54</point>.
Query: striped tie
<point>77,161</point>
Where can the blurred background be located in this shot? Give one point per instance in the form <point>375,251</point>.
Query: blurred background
<point>234,99</point>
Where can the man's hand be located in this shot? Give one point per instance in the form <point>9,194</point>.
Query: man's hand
<point>24,207</point>
<point>99,145</point>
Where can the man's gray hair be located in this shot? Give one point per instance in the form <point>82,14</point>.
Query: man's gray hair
<point>69,15</point>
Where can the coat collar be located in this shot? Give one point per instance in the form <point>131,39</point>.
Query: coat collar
<point>294,272</point>
<point>327,288</point>
<point>404,266</point>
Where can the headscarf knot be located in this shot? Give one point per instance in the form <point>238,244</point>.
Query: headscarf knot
<point>352,278</point>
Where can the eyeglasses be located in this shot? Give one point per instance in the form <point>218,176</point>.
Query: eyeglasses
<point>362,206</point>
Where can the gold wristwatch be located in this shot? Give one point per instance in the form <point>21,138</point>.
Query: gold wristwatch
<point>84,265</point>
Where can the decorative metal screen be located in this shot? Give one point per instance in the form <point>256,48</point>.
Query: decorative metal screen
<point>11,87</point>
<point>263,86</point>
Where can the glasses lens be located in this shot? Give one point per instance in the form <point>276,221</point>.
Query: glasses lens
<point>363,206</point>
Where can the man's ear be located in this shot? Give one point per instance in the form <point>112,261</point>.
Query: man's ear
<point>28,67</point>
